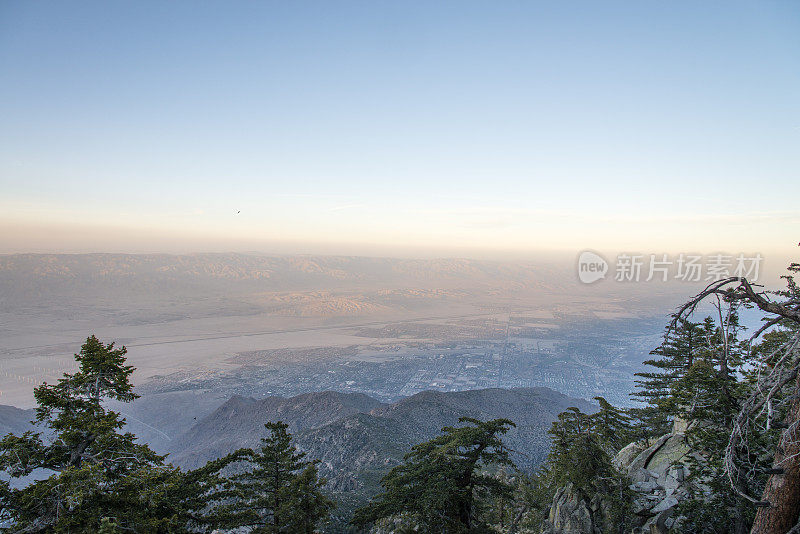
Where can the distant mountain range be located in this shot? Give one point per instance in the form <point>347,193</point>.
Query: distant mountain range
<point>285,273</point>
<point>132,289</point>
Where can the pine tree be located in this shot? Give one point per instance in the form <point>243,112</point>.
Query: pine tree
<point>272,489</point>
<point>709,396</point>
<point>306,505</point>
<point>99,472</point>
<point>612,426</point>
<point>581,457</point>
<point>578,453</point>
<point>683,342</point>
<point>442,483</point>
<point>109,526</point>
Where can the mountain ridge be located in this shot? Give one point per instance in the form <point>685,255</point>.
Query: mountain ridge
<point>357,438</point>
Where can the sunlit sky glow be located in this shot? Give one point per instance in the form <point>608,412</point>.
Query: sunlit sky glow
<point>358,126</point>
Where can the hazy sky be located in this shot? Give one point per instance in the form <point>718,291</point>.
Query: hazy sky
<point>515,126</point>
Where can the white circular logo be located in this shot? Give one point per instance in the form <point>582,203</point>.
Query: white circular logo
<point>591,267</point>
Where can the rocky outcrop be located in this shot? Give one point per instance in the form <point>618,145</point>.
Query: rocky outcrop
<point>572,513</point>
<point>658,475</point>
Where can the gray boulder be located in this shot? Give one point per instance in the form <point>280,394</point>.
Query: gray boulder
<point>658,474</point>
<point>569,514</point>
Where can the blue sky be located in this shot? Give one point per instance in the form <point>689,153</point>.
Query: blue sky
<point>495,126</point>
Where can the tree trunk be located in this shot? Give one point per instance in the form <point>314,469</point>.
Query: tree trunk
<point>783,490</point>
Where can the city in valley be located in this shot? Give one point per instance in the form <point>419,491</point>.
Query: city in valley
<point>571,355</point>
<point>385,327</point>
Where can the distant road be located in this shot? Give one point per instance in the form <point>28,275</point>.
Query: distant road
<point>283,331</point>
<point>310,329</point>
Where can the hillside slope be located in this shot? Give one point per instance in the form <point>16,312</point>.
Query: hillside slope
<point>15,420</point>
<point>239,422</point>
<point>358,439</point>
<point>357,450</point>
